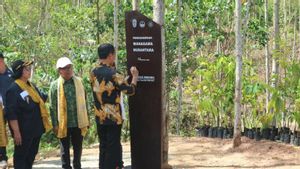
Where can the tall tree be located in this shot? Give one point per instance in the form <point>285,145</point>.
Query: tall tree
<point>299,26</point>
<point>116,29</point>
<point>285,19</point>
<point>135,5</point>
<point>294,40</point>
<point>179,65</point>
<point>245,25</point>
<point>98,21</point>
<point>267,58</point>
<point>159,13</point>
<point>218,21</point>
<point>1,14</point>
<point>275,65</point>
<point>238,74</point>
<point>42,22</point>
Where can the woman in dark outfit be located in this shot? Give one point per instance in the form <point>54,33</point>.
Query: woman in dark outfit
<point>27,115</point>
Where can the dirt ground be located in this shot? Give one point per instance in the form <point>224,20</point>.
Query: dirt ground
<point>216,153</point>
<point>195,152</point>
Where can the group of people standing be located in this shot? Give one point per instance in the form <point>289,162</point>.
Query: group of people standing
<point>23,107</point>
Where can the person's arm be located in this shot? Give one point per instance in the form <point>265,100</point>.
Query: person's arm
<point>11,115</point>
<point>16,131</point>
<point>122,84</point>
<point>53,106</point>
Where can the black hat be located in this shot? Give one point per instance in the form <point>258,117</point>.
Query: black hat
<point>1,55</point>
<point>17,67</point>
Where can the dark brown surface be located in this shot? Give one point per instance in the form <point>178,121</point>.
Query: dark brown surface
<point>146,105</point>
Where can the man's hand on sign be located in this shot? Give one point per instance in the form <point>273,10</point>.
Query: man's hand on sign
<point>135,75</point>
<point>134,72</point>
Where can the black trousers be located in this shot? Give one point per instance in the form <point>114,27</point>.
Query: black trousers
<point>24,154</point>
<point>110,155</point>
<point>3,155</point>
<point>73,135</point>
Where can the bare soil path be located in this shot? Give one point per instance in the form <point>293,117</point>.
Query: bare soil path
<point>195,152</point>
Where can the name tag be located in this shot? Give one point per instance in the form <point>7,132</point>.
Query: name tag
<point>24,95</point>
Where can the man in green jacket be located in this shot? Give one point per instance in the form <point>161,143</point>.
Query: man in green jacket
<point>68,112</point>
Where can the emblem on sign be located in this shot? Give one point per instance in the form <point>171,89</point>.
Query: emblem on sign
<point>142,24</point>
<point>150,24</point>
<point>134,23</point>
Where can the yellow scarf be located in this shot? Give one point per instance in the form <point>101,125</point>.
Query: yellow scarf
<point>3,134</point>
<point>82,115</point>
<point>37,99</point>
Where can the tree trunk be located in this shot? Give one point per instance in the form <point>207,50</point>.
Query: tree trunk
<point>267,58</point>
<point>294,41</point>
<point>285,19</point>
<point>245,26</point>
<point>299,28</point>
<point>41,23</point>
<point>135,5</point>
<point>238,75</point>
<point>40,29</point>
<point>158,13</point>
<point>289,7</point>
<point>218,21</point>
<point>285,37</point>
<point>2,12</point>
<point>179,65</point>
<point>275,66</point>
<point>116,30</point>
<point>98,21</point>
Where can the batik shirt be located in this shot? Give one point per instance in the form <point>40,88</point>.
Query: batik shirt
<point>107,86</point>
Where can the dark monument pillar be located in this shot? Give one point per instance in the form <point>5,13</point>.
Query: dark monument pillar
<point>144,50</point>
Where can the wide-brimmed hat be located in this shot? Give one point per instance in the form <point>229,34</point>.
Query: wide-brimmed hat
<point>17,67</point>
<point>18,64</point>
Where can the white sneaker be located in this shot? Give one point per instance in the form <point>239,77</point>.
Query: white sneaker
<point>3,164</point>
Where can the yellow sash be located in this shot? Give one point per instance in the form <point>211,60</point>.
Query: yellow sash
<point>82,115</point>
<point>37,99</point>
<point>3,134</point>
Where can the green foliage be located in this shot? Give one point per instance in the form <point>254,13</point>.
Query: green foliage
<point>296,117</point>
<point>257,32</point>
<point>266,120</point>
<point>189,120</point>
<point>213,91</point>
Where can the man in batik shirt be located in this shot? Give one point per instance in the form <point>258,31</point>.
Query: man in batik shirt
<point>107,86</point>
